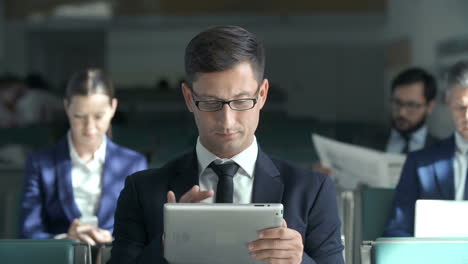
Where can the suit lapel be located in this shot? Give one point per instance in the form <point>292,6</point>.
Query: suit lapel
<point>429,140</point>
<point>444,168</point>
<point>186,176</point>
<point>106,181</point>
<point>64,180</point>
<point>267,186</point>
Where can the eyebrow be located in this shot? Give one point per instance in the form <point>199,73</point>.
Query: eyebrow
<point>236,96</point>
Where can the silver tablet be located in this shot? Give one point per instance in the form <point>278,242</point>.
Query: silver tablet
<point>215,233</point>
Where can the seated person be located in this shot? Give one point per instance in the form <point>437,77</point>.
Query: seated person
<point>10,92</point>
<point>84,173</point>
<point>225,90</point>
<point>21,105</point>
<point>439,171</point>
<point>413,93</point>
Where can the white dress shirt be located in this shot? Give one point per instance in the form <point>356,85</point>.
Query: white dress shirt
<point>86,178</point>
<point>460,166</point>
<point>396,143</point>
<point>243,180</point>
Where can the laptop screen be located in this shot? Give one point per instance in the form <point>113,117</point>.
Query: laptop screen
<point>441,218</point>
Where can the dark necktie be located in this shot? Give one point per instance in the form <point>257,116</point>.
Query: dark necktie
<point>225,188</point>
<point>407,138</point>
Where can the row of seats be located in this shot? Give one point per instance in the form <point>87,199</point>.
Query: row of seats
<point>365,212</point>
<point>162,138</point>
<point>51,251</point>
<point>381,251</point>
<point>410,250</point>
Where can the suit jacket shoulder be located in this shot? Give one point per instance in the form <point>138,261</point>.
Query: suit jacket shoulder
<point>431,140</point>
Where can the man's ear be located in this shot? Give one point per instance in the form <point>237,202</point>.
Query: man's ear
<point>263,93</point>
<point>187,92</point>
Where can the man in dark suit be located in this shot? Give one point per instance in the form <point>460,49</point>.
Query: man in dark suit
<point>225,90</point>
<point>437,172</point>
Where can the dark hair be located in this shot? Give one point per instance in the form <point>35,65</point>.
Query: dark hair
<point>415,75</point>
<point>221,48</point>
<point>87,82</point>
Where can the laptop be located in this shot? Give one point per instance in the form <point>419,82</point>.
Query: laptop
<point>215,233</point>
<point>441,218</point>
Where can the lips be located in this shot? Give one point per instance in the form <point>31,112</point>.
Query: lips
<point>89,135</point>
<point>227,135</point>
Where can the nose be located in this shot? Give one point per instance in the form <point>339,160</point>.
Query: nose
<point>90,125</point>
<point>402,111</point>
<point>227,116</point>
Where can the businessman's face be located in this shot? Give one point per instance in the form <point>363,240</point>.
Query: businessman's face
<point>409,107</point>
<point>226,132</point>
<point>457,102</point>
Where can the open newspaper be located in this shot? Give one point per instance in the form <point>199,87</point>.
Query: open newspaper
<point>352,165</point>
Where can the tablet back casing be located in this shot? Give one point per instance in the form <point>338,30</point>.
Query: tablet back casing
<point>215,233</point>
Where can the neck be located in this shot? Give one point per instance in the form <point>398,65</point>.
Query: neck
<point>85,151</point>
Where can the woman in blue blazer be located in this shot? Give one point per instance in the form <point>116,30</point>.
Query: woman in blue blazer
<point>71,189</point>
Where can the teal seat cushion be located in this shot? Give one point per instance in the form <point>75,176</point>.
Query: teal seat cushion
<point>420,250</point>
<point>21,251</point>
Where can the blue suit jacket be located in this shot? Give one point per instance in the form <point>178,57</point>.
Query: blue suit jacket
<point>309,201</point>
<point>48,205</point>
<point>427,174</point>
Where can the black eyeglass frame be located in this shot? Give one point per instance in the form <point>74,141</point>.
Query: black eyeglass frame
<point>412,106</point>
<point>223,102</point>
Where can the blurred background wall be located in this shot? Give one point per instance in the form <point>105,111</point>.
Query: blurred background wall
<point>328,60</point>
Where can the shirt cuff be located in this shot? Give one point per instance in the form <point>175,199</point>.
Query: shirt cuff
<point>60,236</point>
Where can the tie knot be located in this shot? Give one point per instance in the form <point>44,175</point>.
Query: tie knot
<point>406,136</point>
<point>227,169</point>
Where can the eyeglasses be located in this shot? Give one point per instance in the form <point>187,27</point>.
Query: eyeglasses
<point>235,104</point>
<point>410,106</point>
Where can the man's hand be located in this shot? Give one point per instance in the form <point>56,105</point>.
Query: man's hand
<point>88,233</point>
<point>318,167</point>
<point>194,195</point>
<point>278,245</point>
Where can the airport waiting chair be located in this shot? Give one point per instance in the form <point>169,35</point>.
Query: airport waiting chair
<point>376,204</point>
<point>50,251</point>
<point>365,212</point>
<point>105,252</point>
<point>11,185</point>
<point>410,250</point>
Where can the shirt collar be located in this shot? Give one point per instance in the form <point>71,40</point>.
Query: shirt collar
<point>99,155</point>
<point>461,143</point>
<point>245,159</point>
<point>418,136</point>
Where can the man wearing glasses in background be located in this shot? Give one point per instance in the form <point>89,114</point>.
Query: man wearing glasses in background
<point>225,90</point>
<point>413,93</point>
<point>413,99</point>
